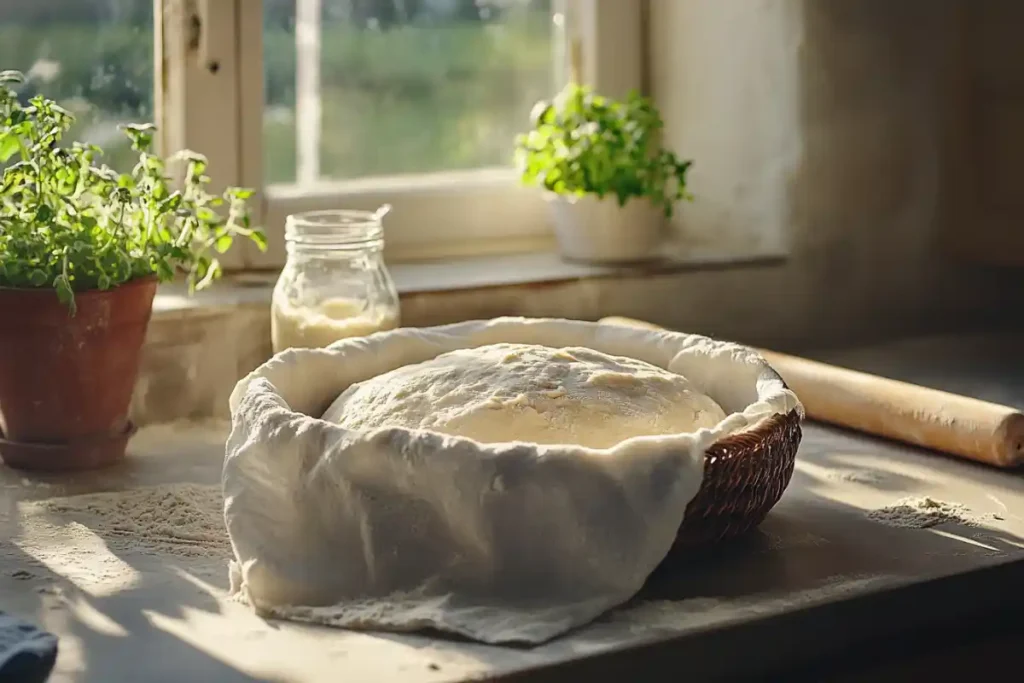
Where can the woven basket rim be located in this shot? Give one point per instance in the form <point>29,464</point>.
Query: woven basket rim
<point>758,431</point>
<point>745,475</point>
<point>749,440</point>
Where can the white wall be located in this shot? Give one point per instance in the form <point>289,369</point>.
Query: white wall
<point>827,125</point>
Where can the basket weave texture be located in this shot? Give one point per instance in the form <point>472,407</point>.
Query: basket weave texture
<point>745,475</point>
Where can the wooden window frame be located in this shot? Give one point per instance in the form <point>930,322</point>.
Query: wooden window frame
<point>209,72</point>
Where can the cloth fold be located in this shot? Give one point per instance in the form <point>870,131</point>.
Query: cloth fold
<point>401,529</point>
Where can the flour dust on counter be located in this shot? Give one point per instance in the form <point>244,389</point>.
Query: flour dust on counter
<point>865,477</point>
<point>923,512</point>
<point>181,519</point>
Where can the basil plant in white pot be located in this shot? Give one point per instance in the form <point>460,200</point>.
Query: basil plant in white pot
<point>610,183</point>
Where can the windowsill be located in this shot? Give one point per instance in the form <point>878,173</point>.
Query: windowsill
<point>198,347</point>
<point>451,275</point>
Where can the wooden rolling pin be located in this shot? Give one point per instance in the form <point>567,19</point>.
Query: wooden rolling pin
<point>938,420</point>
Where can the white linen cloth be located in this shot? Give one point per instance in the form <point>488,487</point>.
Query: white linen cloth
<point>405,529</point>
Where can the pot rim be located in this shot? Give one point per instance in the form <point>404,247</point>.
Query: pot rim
<point>86,453</point>
<point>571,199</point>
<point>86,293</point>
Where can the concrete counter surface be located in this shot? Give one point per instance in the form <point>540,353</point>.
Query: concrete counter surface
<point>820,576</point>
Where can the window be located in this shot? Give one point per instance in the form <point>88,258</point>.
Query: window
<point>95,57</point>
<point>358,103</point>
<point>356,89</point>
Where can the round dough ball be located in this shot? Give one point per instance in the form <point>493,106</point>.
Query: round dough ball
<point>524,392</point>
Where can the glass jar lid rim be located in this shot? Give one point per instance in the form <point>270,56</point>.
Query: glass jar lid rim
<point>324,218</point>
<point>335,226</point>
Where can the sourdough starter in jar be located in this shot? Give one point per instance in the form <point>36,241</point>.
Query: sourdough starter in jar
<point>334,284</point>
<point>325,323</point>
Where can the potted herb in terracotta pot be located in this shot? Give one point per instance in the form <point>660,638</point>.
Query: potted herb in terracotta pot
<point>611,183</point>
<point>82,249</point>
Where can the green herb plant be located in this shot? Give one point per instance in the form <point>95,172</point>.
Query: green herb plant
<point>583,143</point>
<point>71,223</point>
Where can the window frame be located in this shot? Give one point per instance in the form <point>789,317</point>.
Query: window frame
<point>434,215</point>
<point>198,73</point>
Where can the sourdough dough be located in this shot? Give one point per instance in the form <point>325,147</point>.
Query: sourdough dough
<point>525,392</point>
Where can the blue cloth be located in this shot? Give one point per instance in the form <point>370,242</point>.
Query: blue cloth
<point>27,653</point>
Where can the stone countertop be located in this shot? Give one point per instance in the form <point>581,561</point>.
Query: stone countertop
<point>160,612</point>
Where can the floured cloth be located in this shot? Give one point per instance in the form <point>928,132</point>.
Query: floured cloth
<point>400,529</point>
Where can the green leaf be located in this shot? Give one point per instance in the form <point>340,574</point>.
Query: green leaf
<point>259,239</point>
<point>223,243</point>
<point>9,146</point>
<point>57,109</point>
<point>212,273</point>
<point>65,293</point>
<point>170,203</point>
<point>207,215</point>
<point>137,128</point>
<point>140,134</point>
<point>164,271</point>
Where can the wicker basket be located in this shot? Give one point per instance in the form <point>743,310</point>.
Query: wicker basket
<point>745,474</point>
<point>744,477</point>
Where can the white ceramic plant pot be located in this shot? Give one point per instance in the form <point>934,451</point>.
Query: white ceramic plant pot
<point>596,230</point>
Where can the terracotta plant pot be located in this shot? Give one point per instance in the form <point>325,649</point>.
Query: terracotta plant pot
<point>66,381</point>
<point>599,231</point>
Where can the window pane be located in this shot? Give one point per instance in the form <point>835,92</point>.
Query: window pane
<point>95,57</point>
<point>358,88</point>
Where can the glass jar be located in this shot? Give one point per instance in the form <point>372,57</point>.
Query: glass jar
<point>334,284</point>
